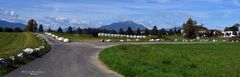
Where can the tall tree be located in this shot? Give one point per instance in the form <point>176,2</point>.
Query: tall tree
<point>31,26</point>
<point>17,29</point>
<point>138,31</point>
<point>70,29</point>
<point>49,30</point>
<point>59,30</point>
<point>178,31</point>
<point>146,32</point>
<point>1,29</point>
<point>114,32</point>
<point>189,30</point>
<point>40,29</point>
<point>171,32</point>
<point>154,30</point>
<point>129,31</point>
<point>79,30</point>
<point>162,31</point>
<point>121,31</point>
<point>175,31</point>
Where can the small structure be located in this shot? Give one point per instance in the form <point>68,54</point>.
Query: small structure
<point>121,40</point>
<point>60,38</point>
<point>108,40</point>
<point>228,33</point>
<point>28,50</point>
<point>66,40</point>
<point>151,40</point>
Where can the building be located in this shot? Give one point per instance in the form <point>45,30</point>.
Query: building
<point>229,33</point>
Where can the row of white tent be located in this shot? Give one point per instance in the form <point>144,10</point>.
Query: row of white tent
<point>121,35</point>
<point>65,40</point>
<point>175,40</point>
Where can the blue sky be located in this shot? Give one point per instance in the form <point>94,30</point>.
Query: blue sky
<point>214,14</point>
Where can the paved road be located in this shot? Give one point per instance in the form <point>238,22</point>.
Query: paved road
<point>66,60</point>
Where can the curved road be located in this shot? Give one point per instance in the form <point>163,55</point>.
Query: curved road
<point>66,60</point>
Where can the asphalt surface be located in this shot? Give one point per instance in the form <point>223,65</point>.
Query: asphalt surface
<point>66,60</point>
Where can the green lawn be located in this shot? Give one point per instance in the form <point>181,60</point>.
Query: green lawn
<point>75,37</point>
<point>12,43</point>
<point>174,60</point>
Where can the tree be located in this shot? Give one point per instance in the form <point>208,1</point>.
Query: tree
<point>138,31</point>
<point>31,26</point>
<point>114,32</point>
<point>146,32</point>
<point>189,29</point>
<point>59,30</point>
<point>70,30</point>
<point>79,30</point>
<point>178,31</point>
<point>154,31</point>
<point>49,30</point>
<point>40,29</point>
<point>7,29</point>
<point>17,29</point>
<point>121,31</point>
<point>162,32</point>
<point>129,31</point>
<point>175,31</point>
<point>105,31</point>
<point>171,32</point>
<point>235,27</point>
<point>1,29</point>
<point>89,30</point>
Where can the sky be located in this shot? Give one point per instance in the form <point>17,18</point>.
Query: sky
<point>214,14</point>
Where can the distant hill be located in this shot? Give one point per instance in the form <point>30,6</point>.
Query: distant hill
<point>124,25</point>
<point>11,24</point>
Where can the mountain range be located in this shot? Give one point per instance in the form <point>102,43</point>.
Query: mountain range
<point>124,25</point>
<point>11,24</point>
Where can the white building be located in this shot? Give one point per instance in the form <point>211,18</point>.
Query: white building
<point>229,33</point>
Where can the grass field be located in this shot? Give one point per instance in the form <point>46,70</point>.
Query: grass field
<point>174,60</point>
<point>12,43</point>
<point>75,37</point>
<point>81,37</point>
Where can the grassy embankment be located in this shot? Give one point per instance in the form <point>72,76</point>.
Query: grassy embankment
<point>174,60</point>
<point>12,43</point>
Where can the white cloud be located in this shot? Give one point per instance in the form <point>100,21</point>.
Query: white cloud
<point>55,22</point>
<point>9,15</point>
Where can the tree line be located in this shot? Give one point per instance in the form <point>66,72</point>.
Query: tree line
<point>32,26</point>
<point>190,29</point>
